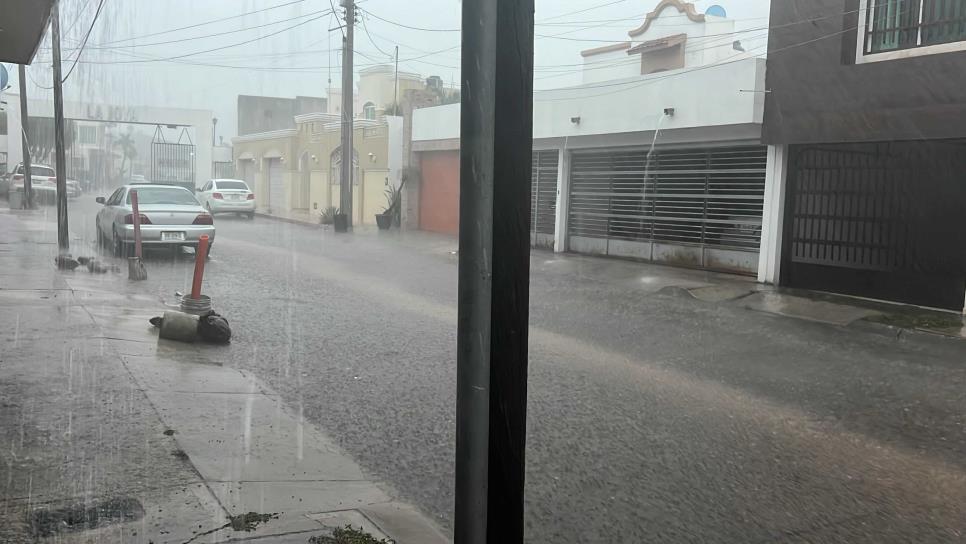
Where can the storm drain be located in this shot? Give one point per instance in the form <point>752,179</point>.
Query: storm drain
<point>83,517</point>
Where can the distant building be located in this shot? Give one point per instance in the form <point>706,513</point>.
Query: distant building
<point>378,85</point>
<point>267,113</point>
<point>679,83</point>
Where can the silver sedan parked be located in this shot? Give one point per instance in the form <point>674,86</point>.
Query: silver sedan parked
<point>170,217</point>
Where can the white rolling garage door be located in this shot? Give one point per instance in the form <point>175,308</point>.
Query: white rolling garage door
<point>543,198</point>
<point>276,186</point>
<point>692,207</point>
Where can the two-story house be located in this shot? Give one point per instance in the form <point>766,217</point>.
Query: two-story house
<point>655,156</point>
<point>865,120</point>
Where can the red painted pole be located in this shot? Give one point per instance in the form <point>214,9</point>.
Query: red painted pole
<point>137,224</point>
<point>200,255</point>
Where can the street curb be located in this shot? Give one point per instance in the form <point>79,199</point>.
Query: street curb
<point>902,333</point>
<point>287,219</point>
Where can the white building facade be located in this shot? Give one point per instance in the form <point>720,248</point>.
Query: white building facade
<point>657,156</point>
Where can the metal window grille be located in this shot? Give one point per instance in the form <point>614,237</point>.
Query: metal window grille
<point>543,192</point>
<point>905,24</point>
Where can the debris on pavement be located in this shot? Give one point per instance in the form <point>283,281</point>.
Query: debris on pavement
<point>348,535</point>
<point>214,328</point>
<point>210,327</point>
<point>95,267</point>
<point>65,262</point>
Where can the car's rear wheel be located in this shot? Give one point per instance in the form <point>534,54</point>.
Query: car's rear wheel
<point>120,249</point>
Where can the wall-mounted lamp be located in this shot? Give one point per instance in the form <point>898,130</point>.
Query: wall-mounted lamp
<point>575,120</point>
<point>669,112</point>
<point>281,159</point>
<point>372,157</point>
<point>315,159</point>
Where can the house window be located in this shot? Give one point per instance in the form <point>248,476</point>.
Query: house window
<point>369,110</point>
<point>87,135</point>
<point>893,25</point>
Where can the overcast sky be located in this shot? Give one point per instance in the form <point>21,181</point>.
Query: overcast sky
<point>303,53</point>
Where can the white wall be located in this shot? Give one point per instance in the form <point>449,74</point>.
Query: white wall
<point>395,158</point>
<point>709,97</point>
<point>609,66</point>
<point>707,43</point>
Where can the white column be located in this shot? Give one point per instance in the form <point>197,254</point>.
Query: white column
<point>773,215</point>
<point>563,201</point>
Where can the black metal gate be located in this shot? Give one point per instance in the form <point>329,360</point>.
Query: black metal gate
<point>543,198</point>
<point>173,163</point>
<point>880,220</point>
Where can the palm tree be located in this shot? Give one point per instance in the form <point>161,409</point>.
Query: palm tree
<point>128,151</point>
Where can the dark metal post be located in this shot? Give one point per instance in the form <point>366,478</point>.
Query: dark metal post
<point>496,139</point>
<point>63,243</point>
<point>28,182</point>
<point>345,189</point>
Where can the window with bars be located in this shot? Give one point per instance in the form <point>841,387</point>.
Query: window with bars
<point>893,25</point>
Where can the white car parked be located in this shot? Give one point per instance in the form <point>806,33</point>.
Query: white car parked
<point>227,195</point>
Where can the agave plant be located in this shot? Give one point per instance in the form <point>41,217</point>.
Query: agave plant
<point>394,202</point>
<point>327,215</point>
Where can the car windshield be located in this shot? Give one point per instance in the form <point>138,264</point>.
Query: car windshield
<point>231,185</point>
<point>163,195</point>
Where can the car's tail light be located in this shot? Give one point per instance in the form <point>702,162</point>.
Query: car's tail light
<point>52,179</point>
<point>251,196</point>
<point>204,219</point>
<point>217,196</point>
<point>129,219</point>
<point>18,177</point>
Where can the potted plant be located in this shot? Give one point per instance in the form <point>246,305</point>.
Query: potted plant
<point>327,215</point>
<point>391,215</point>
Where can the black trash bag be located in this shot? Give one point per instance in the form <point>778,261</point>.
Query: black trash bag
<point>214,328</point>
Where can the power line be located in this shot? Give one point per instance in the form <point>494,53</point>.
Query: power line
<point>341,29</point>
<point>34,81</point>
<point>583,10</point>
<point>193,38</point>
<point>286,29</point>
<point>373,42</point>
<point>203,24</point>
<point>411,27</point>
<point>77,19</point>
<point>84,43</point>
<point>637,84</point>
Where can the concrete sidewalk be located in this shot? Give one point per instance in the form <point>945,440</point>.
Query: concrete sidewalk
<point>111,435</point>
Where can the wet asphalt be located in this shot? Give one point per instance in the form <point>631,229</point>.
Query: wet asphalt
<point>653,417</point>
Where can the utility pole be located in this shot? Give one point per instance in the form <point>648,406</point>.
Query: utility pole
<point>395,86</point>
<point>345,192</point>
<point>28,182</point>
<point>496,135</point>
<point>63,243</point>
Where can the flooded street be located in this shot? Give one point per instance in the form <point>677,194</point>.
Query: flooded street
<point>653,416</point>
